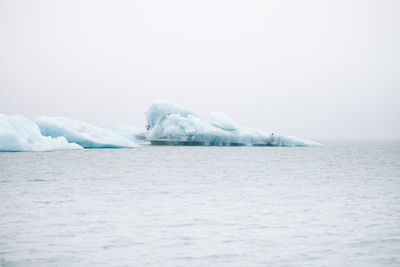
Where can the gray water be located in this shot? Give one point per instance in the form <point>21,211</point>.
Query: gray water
<point>336,205</point>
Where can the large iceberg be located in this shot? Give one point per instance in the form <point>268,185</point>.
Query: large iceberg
<point>170,124</point>
<point>18,133</point>
<point>84,134</point>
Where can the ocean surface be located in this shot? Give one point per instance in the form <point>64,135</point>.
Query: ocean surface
<point>335,205</point>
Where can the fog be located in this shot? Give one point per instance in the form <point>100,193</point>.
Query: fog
<point>314,69</point>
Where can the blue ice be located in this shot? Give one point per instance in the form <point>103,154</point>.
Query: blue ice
<point>134,134</point>
<point>84,134</point>
<point>18,133</point>
<point>171,124</point>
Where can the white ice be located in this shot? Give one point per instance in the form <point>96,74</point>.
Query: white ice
<point>84,134</point>
<point>18,133</point>
<point>174,125</point>
<point>222,120</point>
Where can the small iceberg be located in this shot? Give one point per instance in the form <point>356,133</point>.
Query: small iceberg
<point>221,120</point>
<point>18,133</point>
<point>131,133</point>
<point>84,134</point>
<point>171,124</point>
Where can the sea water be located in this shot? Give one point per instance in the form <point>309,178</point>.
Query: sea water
<point>335,205</point>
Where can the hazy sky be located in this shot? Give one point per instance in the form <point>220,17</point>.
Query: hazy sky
<point>314,69</point>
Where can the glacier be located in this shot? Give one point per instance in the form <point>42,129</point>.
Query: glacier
<point>18,133</point>
<point>171,124</point>
<point>84,134</point>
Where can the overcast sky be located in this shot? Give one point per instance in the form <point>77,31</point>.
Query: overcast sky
<point>314,69</point>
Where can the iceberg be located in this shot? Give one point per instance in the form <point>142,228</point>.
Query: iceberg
<point>161,109</point>
<point>84,134</point>
<point>170,124</point>
<point>18,133</point>
<point>221,120</point>
<point>131,133</point>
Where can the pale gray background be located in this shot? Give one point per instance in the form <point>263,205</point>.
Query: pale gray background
<point>315,69</point>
